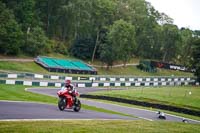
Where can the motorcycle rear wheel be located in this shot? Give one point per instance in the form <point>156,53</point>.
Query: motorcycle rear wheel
<point>77,106</point>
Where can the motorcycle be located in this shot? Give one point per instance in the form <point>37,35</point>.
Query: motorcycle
<point>161,115</point>
<point>67,101</point>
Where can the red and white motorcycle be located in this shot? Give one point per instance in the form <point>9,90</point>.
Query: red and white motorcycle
<point>67,101</point>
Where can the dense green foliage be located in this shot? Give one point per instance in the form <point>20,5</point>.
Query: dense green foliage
<point>196,58</point>
<point>121,37</point>
<point>82,48</point>
<point>10,32</point>
<point>83,29</point>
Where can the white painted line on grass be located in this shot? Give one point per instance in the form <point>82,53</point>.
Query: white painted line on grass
<point>145,118</point>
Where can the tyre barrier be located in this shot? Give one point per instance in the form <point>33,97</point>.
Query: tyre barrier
<point>144,104</point>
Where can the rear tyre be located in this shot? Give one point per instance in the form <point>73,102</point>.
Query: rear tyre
<point>162,117</point>
<point>61,103</point>
<point>77,106</point>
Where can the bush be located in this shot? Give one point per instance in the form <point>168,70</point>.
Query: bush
<point>196,58</point>
<point>83,48</point>
<point>59,47</point>
<point>36,42</point>
<point>10,32</point>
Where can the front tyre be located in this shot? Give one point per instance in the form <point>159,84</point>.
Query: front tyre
<point>61,103</point>
<point>77,106</point>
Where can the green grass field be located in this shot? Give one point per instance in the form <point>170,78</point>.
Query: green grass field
<point>177,96</point>
<point>18,93</point>
<point>129,70</point>
<point>97,126</point>
<point>132,70</point>
<point>22,66</point>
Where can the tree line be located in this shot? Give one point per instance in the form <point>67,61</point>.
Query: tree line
<point>108,30</point>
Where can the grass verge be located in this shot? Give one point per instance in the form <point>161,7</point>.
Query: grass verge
<point>22,66</point>
<point>132,70</point>
<point>180,96</point>
<point>100,126</point>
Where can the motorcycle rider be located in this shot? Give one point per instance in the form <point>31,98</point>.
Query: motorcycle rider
<point>71,89</point>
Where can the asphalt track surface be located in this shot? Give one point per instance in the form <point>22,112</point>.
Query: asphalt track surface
<point>140,113</point>
<point>28,110</point>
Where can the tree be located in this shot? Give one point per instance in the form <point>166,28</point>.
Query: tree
<point>108,54</point>
<point>196,58</point>
<point>171,38</point>
<point>82,48</point>
<point>24,12</point>
<point>102,13</point>
<point>36,42</point>
<point>147,30</point>
<point>122,37</point>
<point>10,33</point>
<point>185,47</point>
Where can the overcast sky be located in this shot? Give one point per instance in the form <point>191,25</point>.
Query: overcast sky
<point>186,13</point>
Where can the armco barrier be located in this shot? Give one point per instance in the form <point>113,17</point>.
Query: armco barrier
<point>112,84</point>
<point>99,78</point>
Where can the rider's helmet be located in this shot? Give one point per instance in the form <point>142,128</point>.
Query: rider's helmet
<point>67,83</point>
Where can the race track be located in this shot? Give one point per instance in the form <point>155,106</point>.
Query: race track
<point>140,113</point>
<point>28,110</point>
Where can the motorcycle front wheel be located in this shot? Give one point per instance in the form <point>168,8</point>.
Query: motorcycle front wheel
<point>61,103</point>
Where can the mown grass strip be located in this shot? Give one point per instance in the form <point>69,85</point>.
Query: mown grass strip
<point>180,96</point>
<point>99,126</point>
